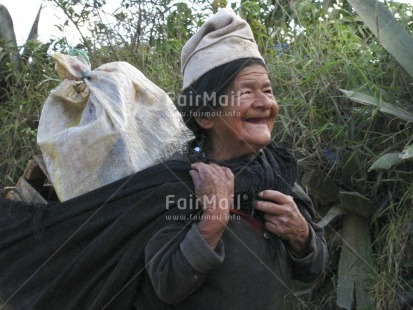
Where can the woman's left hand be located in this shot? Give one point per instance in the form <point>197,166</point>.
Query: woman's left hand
<point>283,219</point>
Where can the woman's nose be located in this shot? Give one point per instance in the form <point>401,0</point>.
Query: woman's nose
<point>264,101</point>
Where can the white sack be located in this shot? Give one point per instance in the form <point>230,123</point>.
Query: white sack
<point>113,124</point>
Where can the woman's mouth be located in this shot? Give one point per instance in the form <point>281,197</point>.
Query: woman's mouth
<point>257,120</point>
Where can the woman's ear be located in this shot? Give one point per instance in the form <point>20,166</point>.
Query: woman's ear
<point>206,122</point>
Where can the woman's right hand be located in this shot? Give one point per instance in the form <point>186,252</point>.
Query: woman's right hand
<point>214,187</point>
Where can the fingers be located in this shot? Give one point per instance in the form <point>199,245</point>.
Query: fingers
<point>213,184</point>
<point>270,207</point>
<point>276,197</point>
<point>283,218</point>
<point>212,169</point>
<point>195,176</point>
<point>277,203</point>
<point>228,173</point>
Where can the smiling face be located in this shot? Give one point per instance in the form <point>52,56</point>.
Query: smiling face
<point>244,124</point>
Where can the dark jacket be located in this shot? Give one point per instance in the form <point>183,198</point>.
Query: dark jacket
<point>247,270</point>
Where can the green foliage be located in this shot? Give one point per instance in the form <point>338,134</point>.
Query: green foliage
<point>329,133</point>
<point>20,113</point>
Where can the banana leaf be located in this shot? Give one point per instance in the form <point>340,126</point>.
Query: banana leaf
<point>385,107</point>
<point>356,264</point>
<point>388,30</point>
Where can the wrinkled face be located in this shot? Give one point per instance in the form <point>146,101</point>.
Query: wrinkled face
<point>245,123</point>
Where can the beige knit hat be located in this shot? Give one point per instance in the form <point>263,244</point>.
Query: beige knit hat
<point>224,37</point>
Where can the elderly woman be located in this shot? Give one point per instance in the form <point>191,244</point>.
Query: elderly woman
<point>221,226</point>
<point>253,237</point>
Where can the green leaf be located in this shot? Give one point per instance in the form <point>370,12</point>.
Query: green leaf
<point>331,215</point>
<point>356,264</point>
<point>383,106</point>
<point>388,30</point>
<point>386,162</point>
<point>355,203</point>
<point>407,152</point>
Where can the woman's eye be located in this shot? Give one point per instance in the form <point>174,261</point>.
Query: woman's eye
<point>245,92</point>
